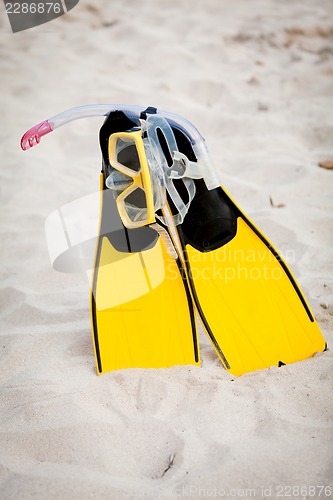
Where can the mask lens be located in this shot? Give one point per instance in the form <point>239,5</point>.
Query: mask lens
<point>127,154</point>
<point>136,205</point>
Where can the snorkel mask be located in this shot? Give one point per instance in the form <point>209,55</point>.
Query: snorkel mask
<point>144,162</point>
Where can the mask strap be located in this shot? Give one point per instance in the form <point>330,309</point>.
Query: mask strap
<point>179,169</point>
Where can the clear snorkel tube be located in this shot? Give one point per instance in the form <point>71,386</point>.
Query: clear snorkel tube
<point>202,169</point>
<point>161,174</point>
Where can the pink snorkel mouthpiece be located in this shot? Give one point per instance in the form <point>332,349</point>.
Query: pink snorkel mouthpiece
<point>33,136</point>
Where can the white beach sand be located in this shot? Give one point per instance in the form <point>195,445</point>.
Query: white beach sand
<point>256,77</point>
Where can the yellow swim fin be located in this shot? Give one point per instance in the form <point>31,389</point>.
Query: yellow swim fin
<point>135,284</point>
<point>248,300</point>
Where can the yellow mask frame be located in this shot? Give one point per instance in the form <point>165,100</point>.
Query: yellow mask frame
<point>132,179</point>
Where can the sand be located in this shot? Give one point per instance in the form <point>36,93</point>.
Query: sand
<point>256,77</point>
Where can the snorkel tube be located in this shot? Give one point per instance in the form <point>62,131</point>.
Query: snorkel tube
<point>203,169</point>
